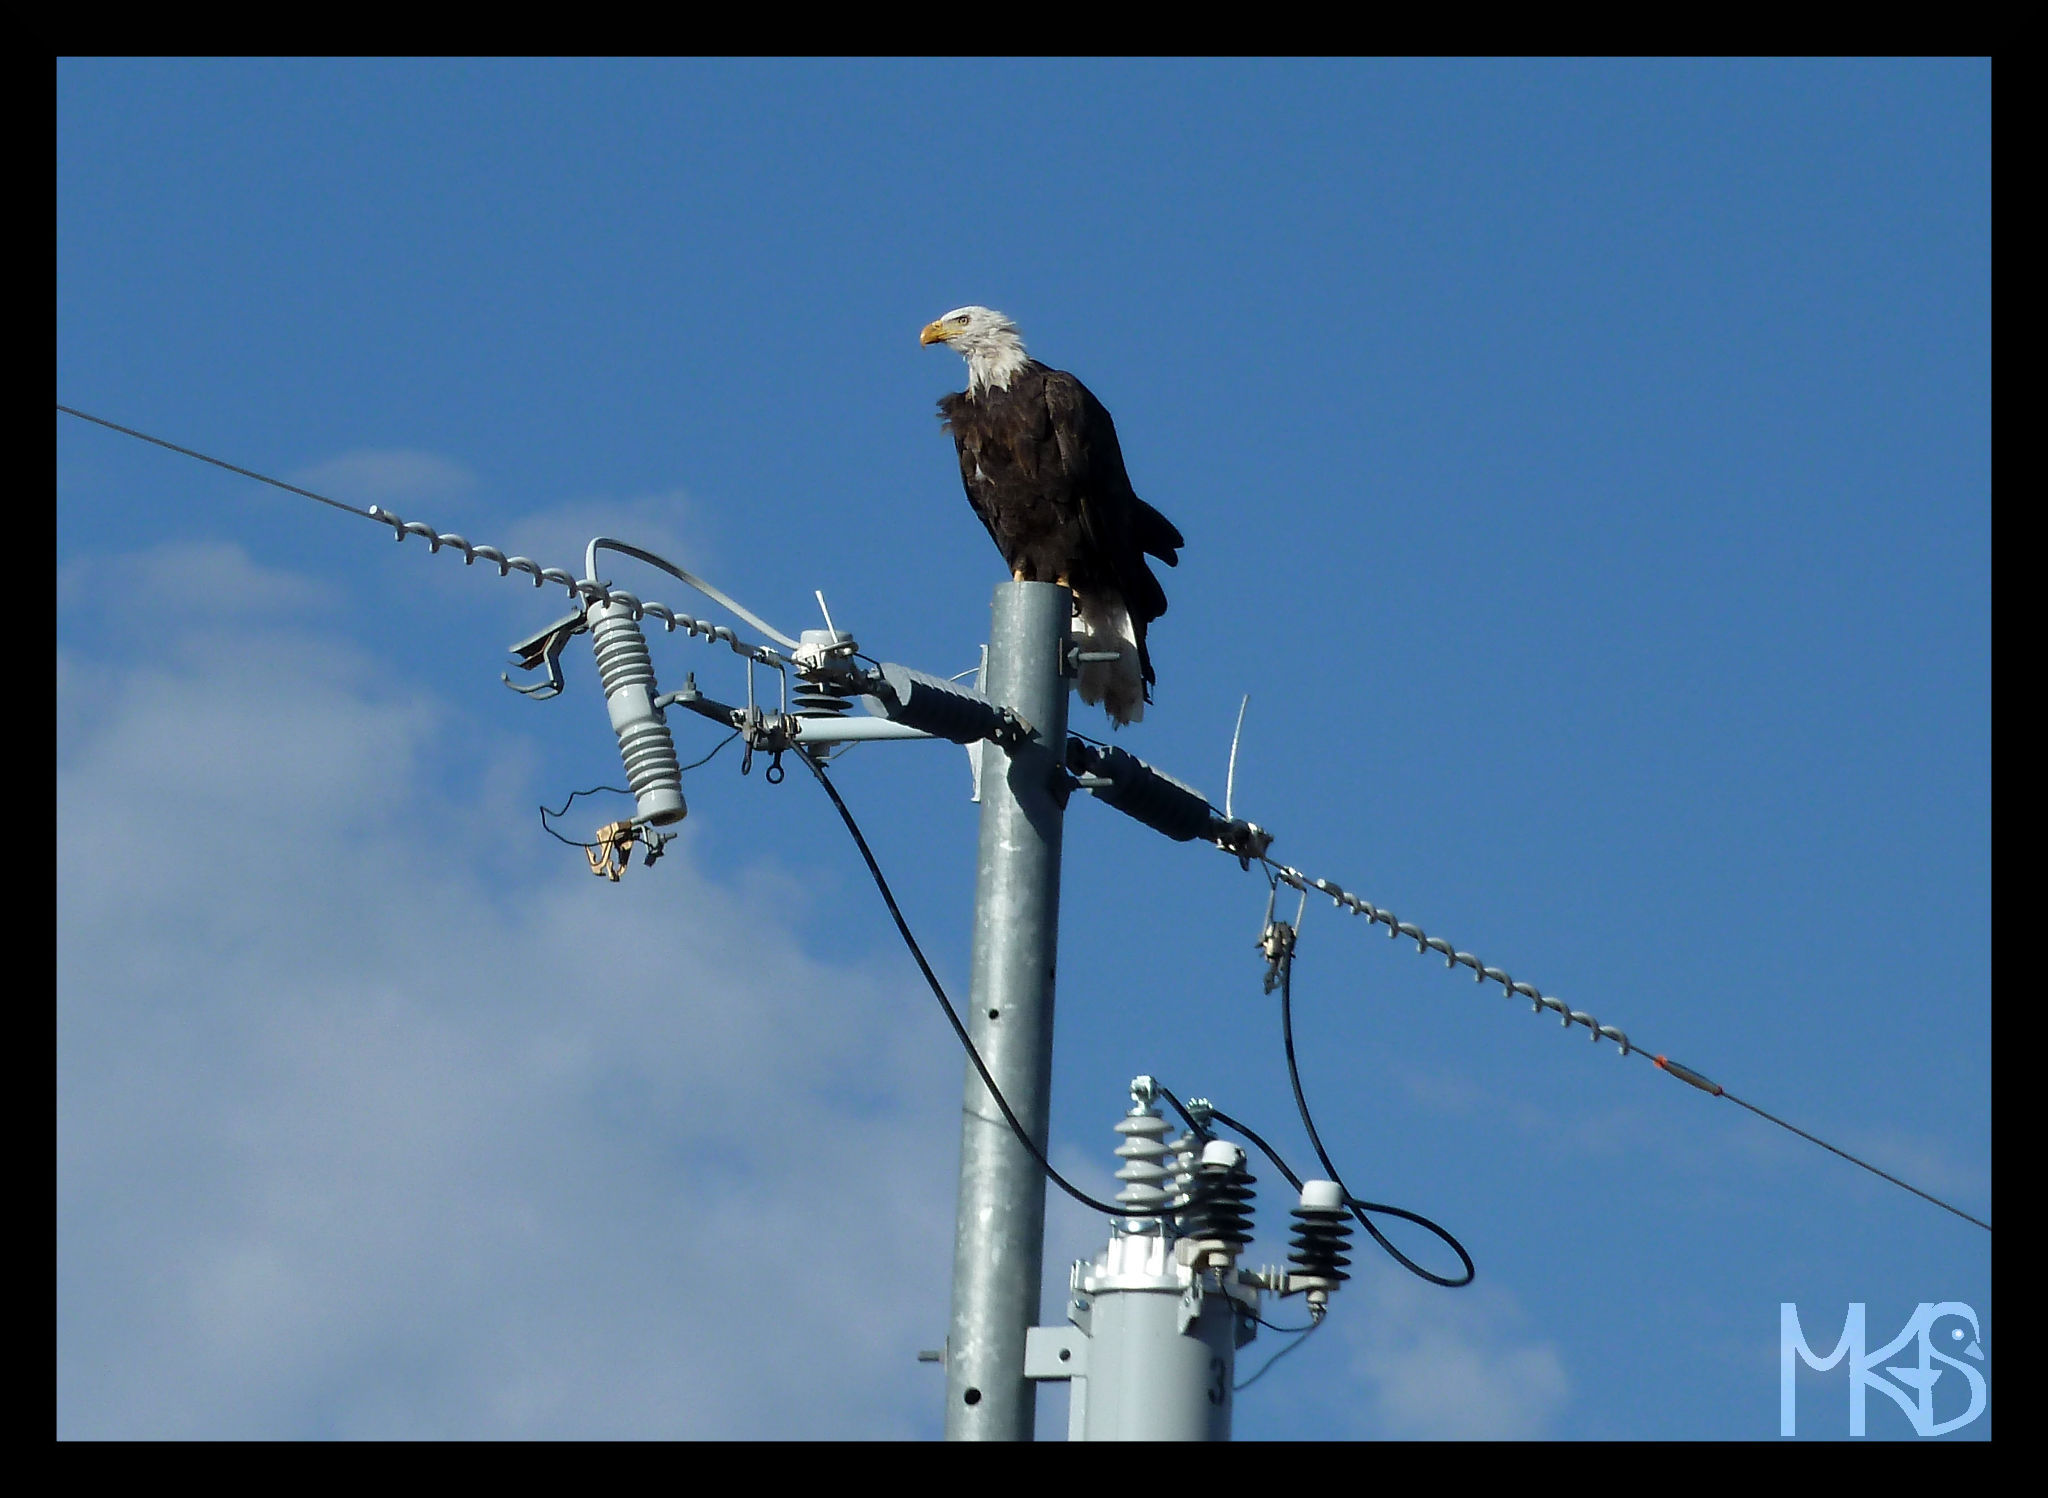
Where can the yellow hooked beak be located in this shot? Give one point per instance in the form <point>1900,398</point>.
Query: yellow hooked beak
<point>934,332</point>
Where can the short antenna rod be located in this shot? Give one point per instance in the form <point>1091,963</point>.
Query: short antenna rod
<point>1230,780</point>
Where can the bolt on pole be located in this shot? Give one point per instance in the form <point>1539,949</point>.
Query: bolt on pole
<point>999,1233</point>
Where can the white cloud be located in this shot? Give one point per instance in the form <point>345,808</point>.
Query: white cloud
<point>555,536</point>
<point>1926,1161</point>
<point>184,581</point>
<point>386,475</point>
<point>353,1142</point>
<point>1446,1364</point>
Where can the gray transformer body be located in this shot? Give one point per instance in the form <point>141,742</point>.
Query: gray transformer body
<point>1151,1345</point>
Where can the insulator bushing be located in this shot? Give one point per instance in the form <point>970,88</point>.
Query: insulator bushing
<point>1322,1233</point>
<point>823,698</point>
<point>812,699</point>
<point>942,708</point>
<point>1142,1151</point>
<point>1221,1210</point>
<point>645,744</point>
<point>1143,793</point>
<point>1186,1152</point>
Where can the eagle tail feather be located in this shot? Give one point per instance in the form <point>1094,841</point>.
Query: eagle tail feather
<point>1118,685</point>
<point>1155,534</point>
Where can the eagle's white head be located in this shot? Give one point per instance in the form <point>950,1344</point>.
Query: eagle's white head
<point>986,339</point>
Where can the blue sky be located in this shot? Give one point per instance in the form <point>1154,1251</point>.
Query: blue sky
<point>1585,469</point>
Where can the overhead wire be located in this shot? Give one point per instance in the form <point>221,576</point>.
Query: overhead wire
<point>1358,1207</point>
<point>586,590</point>
<point>1284,873</point>
<point>1354,1204</point>
<point>1833,1149</point>
<point>952,1015</point>
<point>261,478</point>
<point>1483,972</point>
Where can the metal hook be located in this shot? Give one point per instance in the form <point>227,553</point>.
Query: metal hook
<point>1272,894</point>
<point>545,648</point>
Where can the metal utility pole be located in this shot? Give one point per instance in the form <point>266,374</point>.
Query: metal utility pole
<point>999,1234</point>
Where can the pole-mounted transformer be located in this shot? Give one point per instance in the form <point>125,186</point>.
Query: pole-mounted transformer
<point>1155,1319</point>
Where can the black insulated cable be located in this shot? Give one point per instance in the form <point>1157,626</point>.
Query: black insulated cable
<point>1358,1208</point>
<point>1302,1335</point>
<point>938,991</point>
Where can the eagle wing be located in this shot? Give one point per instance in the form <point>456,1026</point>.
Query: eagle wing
<point>1118,529</point>
<point>969,438</point>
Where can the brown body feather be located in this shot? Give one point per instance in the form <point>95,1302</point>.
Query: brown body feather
<point>1042,468</point>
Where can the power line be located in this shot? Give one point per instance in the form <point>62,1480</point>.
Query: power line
<point>1752,1107</point>
<point>584,590</point>
<point>1357,1207</point>
<point>1568,1016</point>
<point>591,591</point>
<point>263,478</point>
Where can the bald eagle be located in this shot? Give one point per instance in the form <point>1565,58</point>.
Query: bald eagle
<point>1042,468</point>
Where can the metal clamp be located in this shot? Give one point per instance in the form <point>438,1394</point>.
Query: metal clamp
<point>544,648</point>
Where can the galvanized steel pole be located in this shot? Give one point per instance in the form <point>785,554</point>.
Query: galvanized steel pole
<point>999,1233</point>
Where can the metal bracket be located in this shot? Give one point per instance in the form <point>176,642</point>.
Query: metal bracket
<point>1277,938</point>
<point>1055,1352</point>
<point>1076,658</point>
<point>1277,942</point>
<point>1248,840</point>
<point>612,851</point>
<point>545,648</point>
